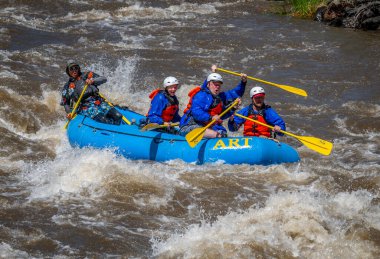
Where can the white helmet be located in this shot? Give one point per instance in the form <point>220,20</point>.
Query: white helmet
<point>256,90</point>
<point>170,80</point>
<point>214,77</point>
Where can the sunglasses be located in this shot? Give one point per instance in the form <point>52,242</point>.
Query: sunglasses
<point>217,83</point>
<point>74,68</point>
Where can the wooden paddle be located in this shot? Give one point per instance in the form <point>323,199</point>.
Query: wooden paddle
<point>319,145</point>
<point>73,112</point>
<point>153,126</point>
<point>196,135</point>
<point>288,88</point>
<point>110,104</point>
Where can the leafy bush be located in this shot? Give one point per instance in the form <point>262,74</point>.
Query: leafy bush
<point>305,8</point>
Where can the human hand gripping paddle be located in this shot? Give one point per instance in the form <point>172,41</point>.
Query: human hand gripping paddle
<point>319,145</point>
<point>73,112</point>
<point>153,126</point>
<point>196,135</point>
<point>288,88</point>
<point>110,104</point>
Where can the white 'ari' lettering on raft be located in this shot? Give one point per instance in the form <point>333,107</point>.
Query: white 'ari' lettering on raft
<point>233,143</point>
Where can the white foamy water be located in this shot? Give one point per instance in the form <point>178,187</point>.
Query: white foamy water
<point>62,177</point>
<point>59,201</point>
<point>300,224</point>
<point>183,11</point>
<point>6,251</point>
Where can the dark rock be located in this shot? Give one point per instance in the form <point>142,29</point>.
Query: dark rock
<point>359,14</point>
<point>319,13</point>
<point>371,23</point>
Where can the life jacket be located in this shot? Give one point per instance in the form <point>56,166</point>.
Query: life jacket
<point>91,89</point>
<point>216,107</point>
<point>88,75</point>
<point>170,110</point>
<point>91,93</point>
<point>253,129</point>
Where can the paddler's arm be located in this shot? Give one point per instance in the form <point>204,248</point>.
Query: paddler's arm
<point>273,119</point>
<point>156,108</point>
<point>200,106</point>
<point>96,79</point>
<point>235,122</point>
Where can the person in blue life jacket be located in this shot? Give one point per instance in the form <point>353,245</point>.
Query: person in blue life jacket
<point>164,104</point>
<point>92,105</point>
<point>207,102</point>
<point>261,112</point>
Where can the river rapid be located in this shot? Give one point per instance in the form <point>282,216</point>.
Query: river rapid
<point>62,202</point>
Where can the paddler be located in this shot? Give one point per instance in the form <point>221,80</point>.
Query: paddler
<point>261,112</point>
<point>92,105</point>
<point>164,104</point>
<point>207,102</point>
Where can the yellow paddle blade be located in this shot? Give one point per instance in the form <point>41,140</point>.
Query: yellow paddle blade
<point>153,126</point>
<point>288,88</point>
<point>150,126</point>
<point>291,89</point>
<point>195,136</point>
<point>319,145</point>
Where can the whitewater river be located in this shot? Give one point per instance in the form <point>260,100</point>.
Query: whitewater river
<point>62,202</point>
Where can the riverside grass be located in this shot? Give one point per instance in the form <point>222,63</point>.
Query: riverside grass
<point>305,8</point>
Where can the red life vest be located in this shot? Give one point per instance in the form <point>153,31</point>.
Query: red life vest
<point>254,129</point>
<point>170,110</point>
<point>191,95</point>
<point>216,107</point>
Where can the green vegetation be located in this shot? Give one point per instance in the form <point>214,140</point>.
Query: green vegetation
<point>305,8</point>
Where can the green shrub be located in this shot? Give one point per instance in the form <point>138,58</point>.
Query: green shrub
<point>305,8</point>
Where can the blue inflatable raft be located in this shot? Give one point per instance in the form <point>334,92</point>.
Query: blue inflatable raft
<point>132,143</point>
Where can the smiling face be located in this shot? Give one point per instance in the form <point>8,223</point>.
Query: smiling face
<point>171,89</point>
<point>74,71</point>
<point>215,87</point>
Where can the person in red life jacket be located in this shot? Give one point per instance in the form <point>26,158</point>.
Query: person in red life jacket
<point>92,105</point>
<point>207,102</point>
<point>164,105</point>
<point>259,111</point>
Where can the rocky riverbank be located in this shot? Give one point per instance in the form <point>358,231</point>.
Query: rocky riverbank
<point>358,14</point>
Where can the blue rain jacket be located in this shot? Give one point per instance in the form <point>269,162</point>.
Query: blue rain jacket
<point>158,105</point>
<point>202,102</point>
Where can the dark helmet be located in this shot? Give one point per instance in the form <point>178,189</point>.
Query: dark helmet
<point>71,63</point>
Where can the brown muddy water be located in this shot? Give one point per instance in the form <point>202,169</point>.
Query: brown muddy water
<point>63,202</point>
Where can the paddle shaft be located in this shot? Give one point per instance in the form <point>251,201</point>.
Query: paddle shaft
<point>319,145</point>
<point>76,105</point>
<point>213,121</point>
<point>110,104</point>
<point>288,88</point>
<point>263,124</point>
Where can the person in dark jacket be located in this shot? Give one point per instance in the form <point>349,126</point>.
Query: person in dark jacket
<point>92,105</point>
<point>259,111</point>
<point>208,102</point>
<point>164,105</point>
